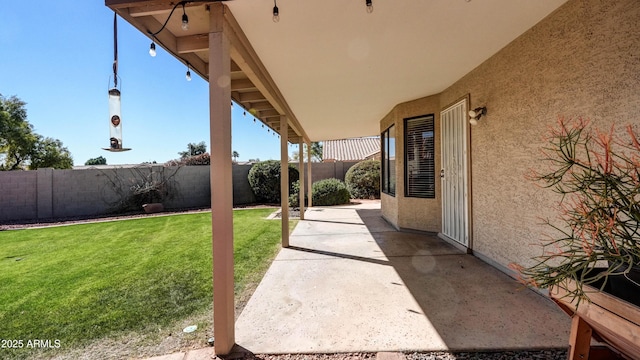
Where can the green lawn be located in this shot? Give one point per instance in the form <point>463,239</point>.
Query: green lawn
<point>84,282</point>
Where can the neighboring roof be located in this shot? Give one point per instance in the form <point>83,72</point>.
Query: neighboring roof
<point>350,149</point>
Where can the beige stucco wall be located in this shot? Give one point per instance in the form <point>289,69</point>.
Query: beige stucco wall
<point>389,203</point>
<point>583,60</point>
<point>407,212</point>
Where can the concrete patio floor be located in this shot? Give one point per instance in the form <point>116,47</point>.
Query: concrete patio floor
<point>351,283</point>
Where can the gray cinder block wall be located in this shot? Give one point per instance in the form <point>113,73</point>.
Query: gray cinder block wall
<point>50,194</point>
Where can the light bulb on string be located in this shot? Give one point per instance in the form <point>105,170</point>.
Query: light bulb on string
<point>152,49</point>
<point>276,12</point>
<point>185,19</point>
<point>369,4</point>
<point>188,76</point>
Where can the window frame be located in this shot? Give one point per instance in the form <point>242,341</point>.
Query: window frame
<point>387,185</point>
<point>429,163</point>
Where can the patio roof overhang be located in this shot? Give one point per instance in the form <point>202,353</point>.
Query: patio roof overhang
<point>332,68</point>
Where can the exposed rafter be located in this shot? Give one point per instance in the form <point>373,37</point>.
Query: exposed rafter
<point>251,85</point>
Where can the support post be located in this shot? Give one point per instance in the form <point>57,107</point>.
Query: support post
<point>579,339</point>
<point>221,181</point>
<point>284,179</point>
<point>309,178</point>
<point>302,178</point>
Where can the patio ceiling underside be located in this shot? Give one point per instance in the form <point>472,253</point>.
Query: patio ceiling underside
<point>332,68</point>
<point>251,85</point>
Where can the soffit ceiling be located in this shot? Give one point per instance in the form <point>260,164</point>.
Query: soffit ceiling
<point>339,69</point>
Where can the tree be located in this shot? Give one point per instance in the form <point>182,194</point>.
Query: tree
<point>235,156</point>
<point>50,153</point>
<point>193,150</point>
<point>22,148</point>
<point>316,152</point>
<point>96,161</point>
<point>16,134</point>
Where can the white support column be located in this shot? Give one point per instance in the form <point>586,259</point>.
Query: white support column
<point>302,178</point>
<point>284,179</point>
<point>221,181</point>
<point>309,178</point>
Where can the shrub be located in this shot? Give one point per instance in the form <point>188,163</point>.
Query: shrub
<point>330,192</point>
<point>363,180</point>
<point>264,178</point>
<point>294,195</point>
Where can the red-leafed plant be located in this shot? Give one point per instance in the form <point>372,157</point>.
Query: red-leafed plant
<point>598,227</point>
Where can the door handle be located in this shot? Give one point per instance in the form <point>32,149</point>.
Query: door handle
<point>442,174</point>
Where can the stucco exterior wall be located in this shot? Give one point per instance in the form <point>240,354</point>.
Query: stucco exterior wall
<point>410,212</point>
<point>583,60</point>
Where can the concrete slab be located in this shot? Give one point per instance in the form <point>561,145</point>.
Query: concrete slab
<point>351,283</point>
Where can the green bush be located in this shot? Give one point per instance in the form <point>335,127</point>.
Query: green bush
<point>363,180</point>
<point>294,195</point>
<point>330,192</point>
<point>264,178</point>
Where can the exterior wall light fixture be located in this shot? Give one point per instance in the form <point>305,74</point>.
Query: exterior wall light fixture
<point>476,114</point>
<point>369,4</point>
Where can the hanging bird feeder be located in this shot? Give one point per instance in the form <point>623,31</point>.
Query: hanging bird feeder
<point>115,120</point>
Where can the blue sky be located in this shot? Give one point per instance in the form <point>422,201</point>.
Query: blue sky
<point>57,56</point>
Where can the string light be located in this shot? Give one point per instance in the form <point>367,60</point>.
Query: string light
<point>185,26</point>
<point>276,12</point>
<point>152,49</point>
<point>189,74</point>
<point>185,18</point>
<point>369,4</point>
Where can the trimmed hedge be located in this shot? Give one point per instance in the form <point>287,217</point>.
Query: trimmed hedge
<point>363,180</point>
<point>264,178</point>
<point>330,192</point>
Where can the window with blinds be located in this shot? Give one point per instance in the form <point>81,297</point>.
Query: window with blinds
<point>388,139</point>
<point>420,157</point>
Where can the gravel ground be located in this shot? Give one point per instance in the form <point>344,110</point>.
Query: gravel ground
<point>502,355</point>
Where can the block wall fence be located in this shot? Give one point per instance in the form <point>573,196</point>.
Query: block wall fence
<point>53,194</point>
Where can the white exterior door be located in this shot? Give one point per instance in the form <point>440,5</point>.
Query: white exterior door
<point>455,214</point>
